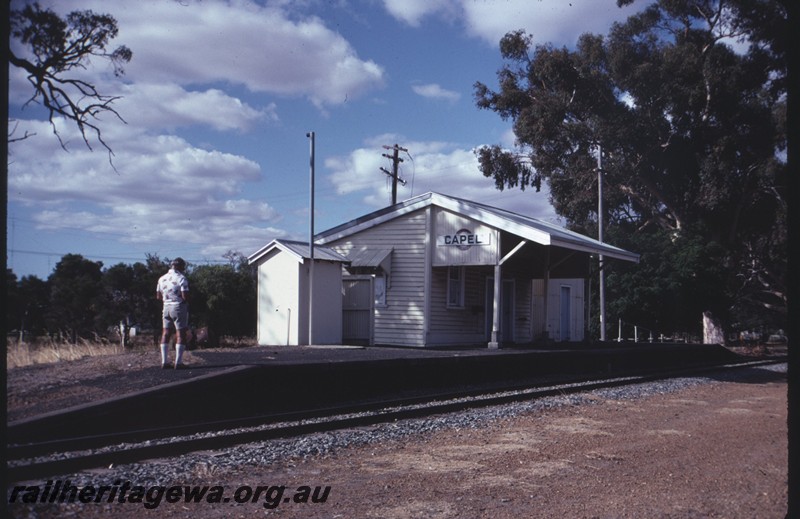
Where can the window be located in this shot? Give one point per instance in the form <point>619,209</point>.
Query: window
<point>455,287</point>
<point>379,284</point>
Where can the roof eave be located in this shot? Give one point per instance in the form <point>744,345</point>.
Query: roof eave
<point>478,213</point>
<point>607,251</point>
<point>274,244</point>
<point>372,219</point>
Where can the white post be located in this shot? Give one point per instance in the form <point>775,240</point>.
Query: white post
<point>496,330</point>
<point>311,247</point>
<point>635,333</point>
<point>600,239</point>
<point>619,339</point>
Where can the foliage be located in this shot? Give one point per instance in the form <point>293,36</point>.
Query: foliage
<point>27,302</point>
<point>53,50</point>
<point>34,292</point>
<point>676,280</point>
<point>129,295</point>
<point>692,134</point>
<point>224,299</point>
<point>74,296</point>
<point>82,299</point>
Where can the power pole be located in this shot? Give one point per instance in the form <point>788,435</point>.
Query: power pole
<point>396,160</point>
<point>312,136</point>
<point>600,239</point>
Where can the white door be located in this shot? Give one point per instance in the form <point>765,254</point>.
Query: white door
<point>357,310</point>
<point>566,313</point>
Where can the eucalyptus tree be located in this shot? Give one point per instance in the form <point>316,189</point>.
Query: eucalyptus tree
<point>687,101</point>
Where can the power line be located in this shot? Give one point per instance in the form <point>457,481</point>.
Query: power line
<point>413,171</point>
<point>96,257</point>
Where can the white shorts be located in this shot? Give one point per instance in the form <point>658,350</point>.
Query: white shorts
<point>176,315</point>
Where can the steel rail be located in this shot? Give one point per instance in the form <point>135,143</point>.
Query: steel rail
<point>23,461</point>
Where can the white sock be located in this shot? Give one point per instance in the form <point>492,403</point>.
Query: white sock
<point>178,353</point>
<point>164,348</point>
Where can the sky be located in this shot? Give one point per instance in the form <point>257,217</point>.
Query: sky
<point>213,154</point>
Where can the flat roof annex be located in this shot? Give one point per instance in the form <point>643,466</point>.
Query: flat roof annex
<point>525,227</point>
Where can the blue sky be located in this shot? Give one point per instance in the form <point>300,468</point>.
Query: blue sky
<point>217,102</point>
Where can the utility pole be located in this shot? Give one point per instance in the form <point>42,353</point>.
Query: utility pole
<point>312,136</point>
<point>396,160</point>
<point>600,239</point>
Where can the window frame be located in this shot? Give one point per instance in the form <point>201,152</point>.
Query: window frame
<point>376,280</point>
<point>459,278</point>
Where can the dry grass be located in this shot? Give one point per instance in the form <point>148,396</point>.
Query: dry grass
<point>46,350</point>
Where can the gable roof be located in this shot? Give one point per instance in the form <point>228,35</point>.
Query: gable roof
<point>299,250</point>
<point>526,227</point>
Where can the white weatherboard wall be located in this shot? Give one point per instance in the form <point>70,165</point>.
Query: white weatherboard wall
<point>278,299</point>
<point>283,300</point>
<point>426,238</point>
<point>401,322</point>
<point>451,245</point>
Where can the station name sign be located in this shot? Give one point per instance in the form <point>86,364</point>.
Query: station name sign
<point>463,239</point>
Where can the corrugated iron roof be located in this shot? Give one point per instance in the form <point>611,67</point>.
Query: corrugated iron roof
<point>300,250</point>
<point>369,257</point>
<point>526,227</point>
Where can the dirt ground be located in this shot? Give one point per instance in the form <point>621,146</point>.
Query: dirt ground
<point>717,450</point>
<point>40,388</point>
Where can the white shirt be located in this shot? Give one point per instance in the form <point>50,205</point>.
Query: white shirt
<point>170,286</point>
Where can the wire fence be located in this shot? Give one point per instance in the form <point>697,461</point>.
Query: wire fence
<point>632,332</point>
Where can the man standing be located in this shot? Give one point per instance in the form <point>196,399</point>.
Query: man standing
<point>173,290</point>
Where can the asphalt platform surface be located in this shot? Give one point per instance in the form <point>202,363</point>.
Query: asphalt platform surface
<point>238,383</point>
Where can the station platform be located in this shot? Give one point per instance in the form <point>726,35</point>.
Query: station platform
<point>290,355</point>
<point>232,384</point>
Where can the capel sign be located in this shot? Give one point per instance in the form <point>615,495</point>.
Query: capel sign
<point>463,239</point>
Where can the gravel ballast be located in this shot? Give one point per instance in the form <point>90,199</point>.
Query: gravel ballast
<point>305,459</point>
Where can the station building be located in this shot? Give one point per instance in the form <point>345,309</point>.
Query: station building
<point>432,271</point>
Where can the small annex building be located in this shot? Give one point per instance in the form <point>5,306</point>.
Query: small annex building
<point>437,271</point>
<point>284,270</point>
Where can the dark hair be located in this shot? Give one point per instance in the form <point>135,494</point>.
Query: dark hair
<point>178,263</point>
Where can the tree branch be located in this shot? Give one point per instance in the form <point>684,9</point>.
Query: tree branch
<point>59,46</point>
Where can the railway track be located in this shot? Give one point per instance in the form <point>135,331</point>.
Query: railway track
<point>43,459</point>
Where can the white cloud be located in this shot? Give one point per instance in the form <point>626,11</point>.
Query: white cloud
<point>508,139</point>
<point>428,166</point>
<point>148,105</point>
<point>157,105</point>
<point>237,42</point>
<point>165,190</point>
<point>413,11</point>
<point>435,91</point>
<point>557,21</point>
<point>240,42</point>
<point>198,64</point>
